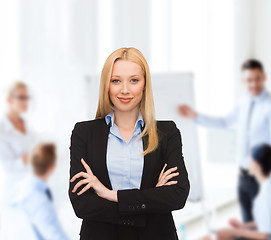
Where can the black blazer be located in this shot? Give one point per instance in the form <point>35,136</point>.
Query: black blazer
<point>143,213</point>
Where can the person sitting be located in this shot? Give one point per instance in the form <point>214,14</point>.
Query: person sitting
<point>31,212</point>
<point>260,228</point>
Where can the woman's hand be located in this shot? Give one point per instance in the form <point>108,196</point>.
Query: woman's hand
<point>167,175</point>
<point>92,182</point>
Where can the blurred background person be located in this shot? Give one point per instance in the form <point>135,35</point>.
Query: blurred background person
<point>252,117</point>
<point>260,228</point>
<point>32,214</point>
<point>16,139</point>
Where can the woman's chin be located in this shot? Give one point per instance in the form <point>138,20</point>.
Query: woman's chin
<point>124,108</point>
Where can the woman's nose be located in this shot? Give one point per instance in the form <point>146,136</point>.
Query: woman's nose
<point>124,88</point>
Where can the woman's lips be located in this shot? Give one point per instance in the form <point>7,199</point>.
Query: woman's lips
<point>125,100</point>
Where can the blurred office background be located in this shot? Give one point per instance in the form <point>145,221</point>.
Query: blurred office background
<point>55,46</point>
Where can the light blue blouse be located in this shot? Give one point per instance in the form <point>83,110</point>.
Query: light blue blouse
<point>124,163</point>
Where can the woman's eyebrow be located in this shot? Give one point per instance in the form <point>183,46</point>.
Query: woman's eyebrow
<point>135,75</point>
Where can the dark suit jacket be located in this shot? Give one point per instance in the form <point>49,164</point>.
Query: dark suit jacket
<point>143,213</point>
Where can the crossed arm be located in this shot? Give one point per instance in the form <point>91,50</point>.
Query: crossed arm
<point>92,181</point>
<point>94,201</point>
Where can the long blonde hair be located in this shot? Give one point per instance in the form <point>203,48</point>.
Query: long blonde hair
<point>146,104</point>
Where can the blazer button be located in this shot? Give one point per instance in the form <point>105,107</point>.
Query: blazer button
<point>143,206</point>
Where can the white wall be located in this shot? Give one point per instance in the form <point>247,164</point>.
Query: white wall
<point>252,35</point>
<point>261,34</point>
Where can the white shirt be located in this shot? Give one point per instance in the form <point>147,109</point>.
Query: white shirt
<point>13,145</point>
<point>31,214</point>
<point>259,127</point>
<point>262,207</point>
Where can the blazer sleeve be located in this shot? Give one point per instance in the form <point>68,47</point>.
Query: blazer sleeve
<point>89,205</point>
<point>164,198</point>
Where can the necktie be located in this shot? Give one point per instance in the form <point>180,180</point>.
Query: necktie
<point>49,194</point>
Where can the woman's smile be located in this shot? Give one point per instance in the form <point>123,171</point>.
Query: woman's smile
<point>125,100</point>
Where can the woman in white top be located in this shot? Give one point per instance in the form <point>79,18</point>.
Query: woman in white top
<point>16,139</point>
<point>260,228</point>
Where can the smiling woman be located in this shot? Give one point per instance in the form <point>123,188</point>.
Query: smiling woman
<point>123,179</point>
<point>125,86</point>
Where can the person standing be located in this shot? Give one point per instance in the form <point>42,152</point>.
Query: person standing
<point>123,163</point>
<point>16,139</point>
<point>252,118</point>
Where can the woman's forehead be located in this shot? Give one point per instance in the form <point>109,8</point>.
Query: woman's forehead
<point>126,68</point>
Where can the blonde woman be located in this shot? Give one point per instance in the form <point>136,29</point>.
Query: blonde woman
<point>127,172</point>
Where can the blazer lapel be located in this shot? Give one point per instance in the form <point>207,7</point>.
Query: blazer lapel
<point>149,159</point>
<point>99,149</point>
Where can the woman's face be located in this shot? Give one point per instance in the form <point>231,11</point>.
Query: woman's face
<point>18,101</point>
<point>126,85</point>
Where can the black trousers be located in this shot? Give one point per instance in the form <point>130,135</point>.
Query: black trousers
<point>247,190</point>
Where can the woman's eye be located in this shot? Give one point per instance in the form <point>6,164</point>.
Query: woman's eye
<point>134,80</point>
<point>115,80</point>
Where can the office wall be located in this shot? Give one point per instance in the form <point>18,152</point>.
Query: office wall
<point>252,35</point>
<point>261,34</point>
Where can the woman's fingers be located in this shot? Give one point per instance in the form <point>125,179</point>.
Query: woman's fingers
<point>164,177</point>
<point>167,172</point>
<point>83,174</point>
<point>168,177</point>
<point>80,174</point>
<point>161,173</point>
<point>84,189</point>
<point>90,179</point>
<point>86,166</point>
<point>171,183</point>
<point>170,170</point>
<point>171,176</point>
<point>79,184</point>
